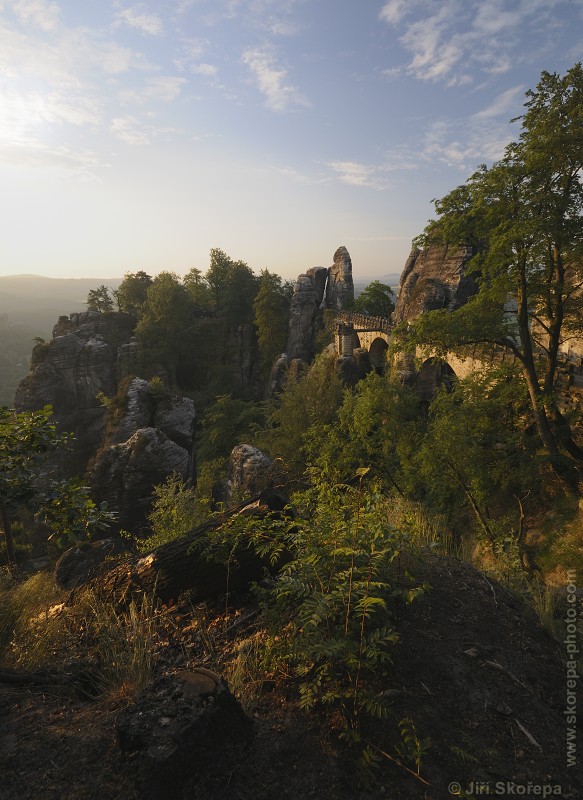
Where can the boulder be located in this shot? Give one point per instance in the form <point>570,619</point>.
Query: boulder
<point>340,287</point>
<point>434,278</point>
<point>125,474</point>
<point>78,564</point>
<point>250,471</point>
<point>176,728</point>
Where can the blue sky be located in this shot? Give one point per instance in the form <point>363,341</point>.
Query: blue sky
<point>140,135</point>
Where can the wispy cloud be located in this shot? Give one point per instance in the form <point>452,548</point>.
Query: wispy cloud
<point>208,70</point>
<point>129,130</point>
<point>147,23</point>
<point>447,39</point>
<point>504,103</point>
<point>356,174</point>
<point>40,13</point>
<point>463,144</point>
<point>271,80</point>
<point>162,89</point>
<point>394,11</point>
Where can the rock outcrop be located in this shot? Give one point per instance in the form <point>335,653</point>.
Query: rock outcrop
<point>125,474</point>
<point>281,372</point>
<point>434,278</point>
<point>151,438</point>
<point>303,315</point>
<point>340,287</point>
<point>250,471</point>
<point>70,371</point>
<point>148,432</point>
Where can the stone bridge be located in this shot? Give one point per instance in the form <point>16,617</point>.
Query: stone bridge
<point>353,330</point>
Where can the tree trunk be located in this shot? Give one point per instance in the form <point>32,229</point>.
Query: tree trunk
<point>180,566</point>
<point>8,537</point>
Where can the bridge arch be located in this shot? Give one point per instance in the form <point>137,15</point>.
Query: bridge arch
<point>377,352</point>
<point>433,374</point>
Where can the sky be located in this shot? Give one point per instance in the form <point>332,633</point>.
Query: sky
<point>141,135</point>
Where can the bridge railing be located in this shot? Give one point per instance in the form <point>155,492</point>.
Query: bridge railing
<point>363,321</point>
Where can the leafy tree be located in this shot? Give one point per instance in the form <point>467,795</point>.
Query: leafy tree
<point>166,321</point>
<point>217,275</point>
<point>271,308</point>
<point>524,216</point>
<point>306,404</point>
<point>198,288</point>
<point>26,441</point>
<point>99,300</point>
<point>233,286</point>
<point>376,300</point>
<point>227,423</point>
<point>132,291</point>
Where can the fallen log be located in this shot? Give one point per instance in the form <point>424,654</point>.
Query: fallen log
<point>179,566</point>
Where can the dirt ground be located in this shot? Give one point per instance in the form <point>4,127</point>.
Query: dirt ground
<point>474,670</point>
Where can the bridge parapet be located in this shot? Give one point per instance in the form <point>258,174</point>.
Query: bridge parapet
<point>363,321</point>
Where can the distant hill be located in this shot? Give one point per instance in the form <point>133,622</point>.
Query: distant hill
<point>37,301</point>
<point>29,306</point>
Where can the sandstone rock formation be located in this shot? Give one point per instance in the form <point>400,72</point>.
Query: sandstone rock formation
<point>281,372</point>
<point>145,443</point>
<point>125,474</point>
<point>314,289</point>
<point>340,287</point>
<point>303,314</point>
<point>250,471</point>
<point>148,432</point>
<point>69,372</point>
<point>434,278</point>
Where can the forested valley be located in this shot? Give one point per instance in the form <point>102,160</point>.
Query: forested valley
<point>243,558</point>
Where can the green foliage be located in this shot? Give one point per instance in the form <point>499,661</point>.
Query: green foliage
<point>523,217</point>
<point>226,423</point>
<point>67,509</point>
<point>333,598</point>
<point>99,300</point>
<point>412,748</point>
<point>376,300</point>
<point>271,309</point>
<point>26,441</point>
<point>174,512</point>
<point>198,288</point>
<point>305,405</point>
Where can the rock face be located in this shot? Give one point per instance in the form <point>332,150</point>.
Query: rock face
<point>250,472</point>
<point>282,370</point>
<point>152,438</point>
<point>340,287</point>
<point>78,564</point>
<point>124,474</point>
<point>68,373</point>
<point>148,433</point>
<point>434,278</point>
<point>303,313</point>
